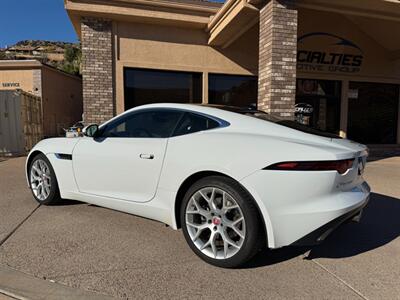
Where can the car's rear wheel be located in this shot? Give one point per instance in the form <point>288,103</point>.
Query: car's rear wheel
<point>221,222</point>
<point>43,181</point>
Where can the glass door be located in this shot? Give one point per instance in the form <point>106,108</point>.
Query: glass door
<point>318,104</point>
<point>373,112</point>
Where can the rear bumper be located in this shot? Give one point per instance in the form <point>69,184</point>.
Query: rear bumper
<point>305,205</point>
<point>319,235</point>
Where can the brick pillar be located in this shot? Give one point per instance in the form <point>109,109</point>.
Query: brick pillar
<point>97,70</point>
<point>277,58</point>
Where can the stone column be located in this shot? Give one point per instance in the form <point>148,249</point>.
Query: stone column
<point>277,58</point>
<point>97,70</point>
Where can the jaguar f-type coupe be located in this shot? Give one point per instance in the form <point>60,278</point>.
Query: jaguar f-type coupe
<point>235,180</point>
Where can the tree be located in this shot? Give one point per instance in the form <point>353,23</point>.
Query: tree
<point>72,60</point>
<point>3,55</point>
<point>43,58</point>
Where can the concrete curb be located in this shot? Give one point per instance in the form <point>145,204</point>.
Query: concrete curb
<point>21,286</point>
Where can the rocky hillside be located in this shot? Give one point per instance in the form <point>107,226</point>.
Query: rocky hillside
<point>62,55</point>
<point>42,43</point>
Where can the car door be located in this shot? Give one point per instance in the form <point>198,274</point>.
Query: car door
<point>125,160</point>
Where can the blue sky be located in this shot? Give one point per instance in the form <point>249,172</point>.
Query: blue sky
<point>34,20</point>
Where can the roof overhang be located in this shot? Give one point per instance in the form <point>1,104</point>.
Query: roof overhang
<point>20,64</point>
<point>224,23</point>
<point>378,9</point>
<point>31,64</point>
<point>232,20</point>
<point>186,13</point>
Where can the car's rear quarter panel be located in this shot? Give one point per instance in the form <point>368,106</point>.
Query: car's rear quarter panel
<point>234,154</point>
<point>285,199</point>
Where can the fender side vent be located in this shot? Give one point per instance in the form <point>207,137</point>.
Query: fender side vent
<point>64,156</point>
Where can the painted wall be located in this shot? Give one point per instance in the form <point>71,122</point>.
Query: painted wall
<point>182,49</point>
<point>17,79</point>
<point>62,101</point>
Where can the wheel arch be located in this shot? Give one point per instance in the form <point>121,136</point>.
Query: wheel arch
<point>189,181</point>
<point>31,156</point>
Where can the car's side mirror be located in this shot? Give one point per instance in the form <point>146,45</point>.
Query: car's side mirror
<point>91,130</point>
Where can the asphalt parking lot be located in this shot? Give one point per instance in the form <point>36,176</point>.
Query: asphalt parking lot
<point>116,254</point>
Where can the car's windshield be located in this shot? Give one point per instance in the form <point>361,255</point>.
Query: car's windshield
<point>284,122</point>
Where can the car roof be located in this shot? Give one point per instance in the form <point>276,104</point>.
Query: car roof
<point>245,111</point>
<point>231,108</point>
<point>211,109</point>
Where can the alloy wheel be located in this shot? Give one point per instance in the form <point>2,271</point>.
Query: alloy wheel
<point>40,179</point>
<point>215,223</point>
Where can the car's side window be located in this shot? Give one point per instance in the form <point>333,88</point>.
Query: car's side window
<point>192,123</point>
<point>146,124</point>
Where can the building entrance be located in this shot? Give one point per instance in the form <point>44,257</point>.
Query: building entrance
<point>318,104</point>
<point>373,109</point>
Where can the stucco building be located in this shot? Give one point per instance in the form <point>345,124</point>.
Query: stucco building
<point>60,93</point>
<point>334,65</point>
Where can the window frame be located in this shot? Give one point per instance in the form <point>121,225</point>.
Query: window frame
<point>206,117</point>
<point>194,100</point>
<point>221,123</point>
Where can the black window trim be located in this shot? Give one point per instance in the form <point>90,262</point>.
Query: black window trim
<point>222,123</point>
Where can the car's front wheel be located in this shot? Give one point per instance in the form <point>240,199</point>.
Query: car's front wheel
<point>221,222</point>
<point>43,181</point>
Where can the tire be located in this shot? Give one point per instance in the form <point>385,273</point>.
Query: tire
<point>203,215</point>
<point>43,181</point>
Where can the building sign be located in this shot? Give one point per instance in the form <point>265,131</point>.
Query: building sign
<point>10,84</point>
<point>325,52</point>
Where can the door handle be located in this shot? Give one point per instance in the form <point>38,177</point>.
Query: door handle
<point>146,156</point>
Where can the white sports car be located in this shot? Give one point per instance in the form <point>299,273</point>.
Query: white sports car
<point>233,179</point>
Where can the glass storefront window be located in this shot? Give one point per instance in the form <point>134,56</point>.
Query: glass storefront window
<point>373,110</point>
<point>143,86</point>
<point>233,90</point>
<point>318,104</point>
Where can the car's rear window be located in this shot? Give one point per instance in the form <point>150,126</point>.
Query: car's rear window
<point>292,124</point>
<point>267,117</point>
<point>191,123</point>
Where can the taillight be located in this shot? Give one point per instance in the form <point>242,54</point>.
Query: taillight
<point>341,166</point>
